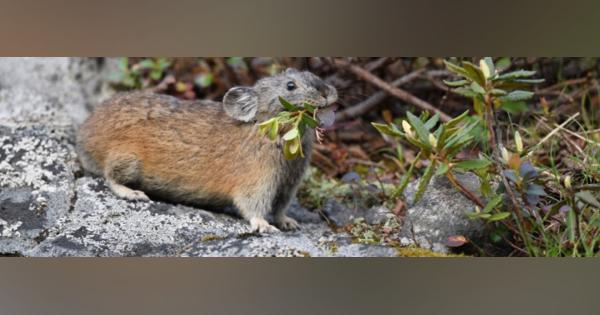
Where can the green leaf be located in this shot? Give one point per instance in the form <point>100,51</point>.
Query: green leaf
<point>163,63</point>
<point>502,64</point>
<point>477,88</point>
<point>123,63</point>
<point>456,69</point>
<point>424,181</point>
<point>492,204</point>
<point>511,85</point>
<point>308,120</point>
<point>530,81</point>
<point>475,74</point>
<point>420,129</point>
<point>459,146</point>
<point>499,216</point>
<point>467,92</point>
<point>442,169</point>
<point>456,83</point>
<point>490,63</point>
<point>406,177</point>
<point>456,120</point>
<point>309,108</point>
<point>287,105</point>
<point>514,107</point>
<point>515,74</point>
<point>587,197</point>
<point>155,75</point>
<point>204,80</point>
<point>472,164</point>
<point>292,149</point>
<point>390,130</point>
<point>460,135</point>
<point>498,92</point>
<point>517,95</point>
<point>432,121</point>
<point>146,64</point>
<point>273,131</point>
<point>291,134</point>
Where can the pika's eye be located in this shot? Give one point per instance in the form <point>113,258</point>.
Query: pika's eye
<point>291,86</point>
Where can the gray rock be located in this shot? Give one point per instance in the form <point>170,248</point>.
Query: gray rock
<point>68,86</point>
<point>102,225</point>
<point>440,213</point>
<point>37,168</point>
<point>341,215</point>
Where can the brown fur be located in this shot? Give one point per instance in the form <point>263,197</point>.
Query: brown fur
<point>190,152</point>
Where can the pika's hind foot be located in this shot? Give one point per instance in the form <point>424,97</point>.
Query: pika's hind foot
<point>286,223</point>
<point>126,192</point>
<point>262,226</point>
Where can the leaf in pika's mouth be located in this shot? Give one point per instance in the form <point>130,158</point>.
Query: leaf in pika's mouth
<point>326,117</point>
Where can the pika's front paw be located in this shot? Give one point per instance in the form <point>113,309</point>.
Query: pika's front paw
<point>127,193</point>
<point>287,224</point>
<point>138,195</point>
<point>262,226</point>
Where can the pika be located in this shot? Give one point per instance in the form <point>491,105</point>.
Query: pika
<point>203,153</point>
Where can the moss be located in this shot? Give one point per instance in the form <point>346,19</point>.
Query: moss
<point>414,251</point>
<point>331,246</point>
<point>304,253</point>
<point>210,237</point>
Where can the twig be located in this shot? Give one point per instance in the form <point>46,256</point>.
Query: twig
<point>562,84</point>
<point>569,141</point>
<point>371,66</point>
<point>464,190</point>
<point>578,136</point>
<point>394,91</point>
<point>549,135</point>
<point>373,100</point>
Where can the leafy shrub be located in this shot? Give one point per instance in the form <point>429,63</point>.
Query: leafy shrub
<point>534,215</point>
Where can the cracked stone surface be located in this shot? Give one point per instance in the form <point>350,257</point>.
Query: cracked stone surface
<point>49,208</point>
<point>440,213</point>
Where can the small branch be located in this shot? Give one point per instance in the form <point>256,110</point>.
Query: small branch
<point>561,85</point>
<point>464,190</point>
<point>394,91</point>
<point>373,100</point>
<point>495,143</point>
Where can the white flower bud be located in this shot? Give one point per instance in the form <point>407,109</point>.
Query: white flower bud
<point>568,181</point>
<point>432,140</point>
<point>505,155</point>
<point>485,69</point>
<point>407,128</point>
<point>518,142</point>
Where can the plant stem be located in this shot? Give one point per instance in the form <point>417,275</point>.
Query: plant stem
<point>464,190</point>
<point>516,208</point>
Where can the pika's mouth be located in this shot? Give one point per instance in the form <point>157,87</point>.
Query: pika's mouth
<point>324,112</point>
<point>326,115</point>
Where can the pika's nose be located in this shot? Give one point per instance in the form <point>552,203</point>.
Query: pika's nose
<point>323,90</point>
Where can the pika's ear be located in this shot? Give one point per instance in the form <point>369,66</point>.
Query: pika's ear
<point>241,103</point>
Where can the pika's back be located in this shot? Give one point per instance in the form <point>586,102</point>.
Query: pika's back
<point>146,124</point>
<point>136,109</point>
